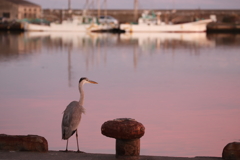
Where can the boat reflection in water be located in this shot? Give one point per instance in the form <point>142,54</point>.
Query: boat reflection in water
<point>183,87</point>
<point>92,44</point>
<point>143,40</point>
<point>75,40</point>
<point>170,40</point>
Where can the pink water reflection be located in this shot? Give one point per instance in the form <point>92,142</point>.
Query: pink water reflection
<point>188,99</point>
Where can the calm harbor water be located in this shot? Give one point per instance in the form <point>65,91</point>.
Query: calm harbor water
<point>184,88</point>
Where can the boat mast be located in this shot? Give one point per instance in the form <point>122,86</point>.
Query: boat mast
<point>69,5</point>
<point>85,8</point>
<point>98,8</point>
<point>105,11</point>
<point>135,10</point>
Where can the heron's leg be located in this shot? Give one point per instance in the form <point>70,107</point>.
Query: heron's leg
<point>67,146</point>
<point>77,140</point>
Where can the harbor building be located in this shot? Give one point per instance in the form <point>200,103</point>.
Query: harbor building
<point>19,9</point>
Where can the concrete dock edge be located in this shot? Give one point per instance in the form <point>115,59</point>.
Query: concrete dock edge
<point>56,155</point>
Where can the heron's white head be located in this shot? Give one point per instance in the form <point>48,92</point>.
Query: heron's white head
<point>84,80</point>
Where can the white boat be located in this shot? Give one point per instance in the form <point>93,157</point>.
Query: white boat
<point>150,23</point>
<point>76,24</point>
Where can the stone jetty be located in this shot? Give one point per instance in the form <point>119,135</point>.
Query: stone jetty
<point>20,147</point>
<point>56,155</point>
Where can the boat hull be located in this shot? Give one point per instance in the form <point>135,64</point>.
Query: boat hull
<point>198,26</point>
<point>54,27</point>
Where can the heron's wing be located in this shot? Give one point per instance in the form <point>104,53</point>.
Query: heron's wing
<point>71,119</point>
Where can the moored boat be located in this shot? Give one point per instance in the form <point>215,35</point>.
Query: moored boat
<point>77,23</point>
<point>153,23</point>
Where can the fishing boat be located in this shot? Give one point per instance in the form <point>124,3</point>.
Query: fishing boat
<point>75,24</point>
<point>152,23</point>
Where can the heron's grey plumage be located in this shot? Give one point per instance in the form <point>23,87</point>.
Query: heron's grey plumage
<point>73,113</point>
<point>71,119</point>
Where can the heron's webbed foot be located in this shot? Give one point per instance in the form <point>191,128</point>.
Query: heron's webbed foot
<point>63,150</point>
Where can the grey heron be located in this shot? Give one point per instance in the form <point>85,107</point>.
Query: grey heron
<point>72,114</point>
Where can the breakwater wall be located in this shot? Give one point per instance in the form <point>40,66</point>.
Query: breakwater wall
<point>124,16</point>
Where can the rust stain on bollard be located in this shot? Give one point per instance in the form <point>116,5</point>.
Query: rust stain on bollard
<point>127,133</point>
<point>23,143</point>
<point>128,147</point>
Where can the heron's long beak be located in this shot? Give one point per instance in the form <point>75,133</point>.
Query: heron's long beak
<point>92,82</point>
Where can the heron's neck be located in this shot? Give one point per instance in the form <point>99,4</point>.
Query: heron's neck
<point>81,100</point>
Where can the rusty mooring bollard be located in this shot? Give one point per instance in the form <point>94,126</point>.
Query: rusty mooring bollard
<point>127,133</point>
<point>231,151</point>
<point>23,143</point>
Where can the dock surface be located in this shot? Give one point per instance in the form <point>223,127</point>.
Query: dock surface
<point>56,155</point>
